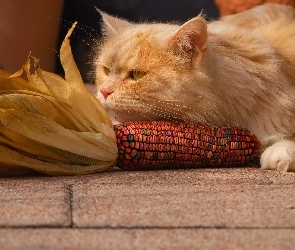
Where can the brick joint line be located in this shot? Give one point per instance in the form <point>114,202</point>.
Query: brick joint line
<point>70,200</point>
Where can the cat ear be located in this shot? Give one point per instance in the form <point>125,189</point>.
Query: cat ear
<point>112,25</point>
<point>191,39</point>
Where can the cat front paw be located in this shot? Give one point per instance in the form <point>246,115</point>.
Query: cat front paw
<point>279,156</point>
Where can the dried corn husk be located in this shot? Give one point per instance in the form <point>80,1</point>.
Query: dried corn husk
<point>53,125</point>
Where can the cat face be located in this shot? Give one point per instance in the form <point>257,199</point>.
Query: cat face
<point>144,71</point>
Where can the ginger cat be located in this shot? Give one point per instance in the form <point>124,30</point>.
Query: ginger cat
<point>239,70</point>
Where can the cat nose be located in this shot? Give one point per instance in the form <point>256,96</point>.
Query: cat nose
<point>105,92</point>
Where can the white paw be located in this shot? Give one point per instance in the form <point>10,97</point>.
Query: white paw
<point>279,156</point>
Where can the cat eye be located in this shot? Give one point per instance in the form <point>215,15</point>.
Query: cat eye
<point>136,74</point>
<point>106,70</point>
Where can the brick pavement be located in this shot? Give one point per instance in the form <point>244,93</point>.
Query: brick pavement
<point>230,208</point>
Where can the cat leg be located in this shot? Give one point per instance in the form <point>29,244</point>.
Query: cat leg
<point>279,156</point>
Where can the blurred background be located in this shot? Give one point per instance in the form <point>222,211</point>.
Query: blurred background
<point>40,26</point>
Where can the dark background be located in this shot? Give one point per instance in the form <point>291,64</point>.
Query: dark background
<point>133,10</point>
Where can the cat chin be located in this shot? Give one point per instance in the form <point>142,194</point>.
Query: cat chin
<point>114,117</point>
<point>120,117</point>
<point>115,122</point>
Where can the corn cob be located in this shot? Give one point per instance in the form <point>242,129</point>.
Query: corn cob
<point>161,144</point>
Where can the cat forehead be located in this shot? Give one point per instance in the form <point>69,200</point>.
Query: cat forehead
<point>150,31</point>
<point>138,32</point>
<point>135,39</point>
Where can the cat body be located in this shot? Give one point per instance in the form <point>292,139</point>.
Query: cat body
<point>239,70</point>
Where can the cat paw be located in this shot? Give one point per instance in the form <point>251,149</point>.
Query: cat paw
<point>279,156</point>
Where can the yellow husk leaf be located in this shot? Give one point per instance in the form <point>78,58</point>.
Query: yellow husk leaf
<point>53,125</point>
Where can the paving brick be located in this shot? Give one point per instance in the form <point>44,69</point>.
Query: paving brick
<point>32,202</point>
<point>258,239</point>
<point>228,198</point>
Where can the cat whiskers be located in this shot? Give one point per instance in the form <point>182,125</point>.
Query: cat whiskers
<point>153,110</point>
<point>144,116</point>
<point>212,114</point>
<point>179,113</point>
<point>190,115</point>
<point>173,113</point>
<point>92,34</point>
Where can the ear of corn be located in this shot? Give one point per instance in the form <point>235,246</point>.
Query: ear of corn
<point>160,144</point>
<point>53,125</point>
